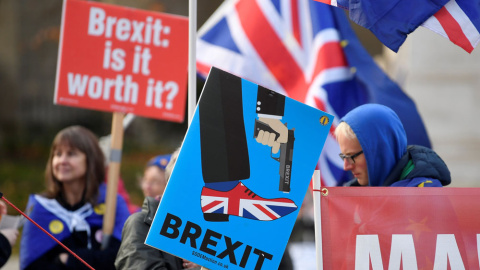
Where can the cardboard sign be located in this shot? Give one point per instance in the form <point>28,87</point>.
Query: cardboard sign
<point>387,227</point>
<point>122,59</point>
<point>234,194</point>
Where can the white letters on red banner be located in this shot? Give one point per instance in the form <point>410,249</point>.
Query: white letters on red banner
<point>122,59</point>
<point>401,228</point>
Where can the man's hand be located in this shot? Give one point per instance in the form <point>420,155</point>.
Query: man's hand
<point>268,138</point>
<point>188,264</point>
<point>63,258</point>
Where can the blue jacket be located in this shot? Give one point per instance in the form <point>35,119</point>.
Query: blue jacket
<point>420,166</point>
<point>384,143</point>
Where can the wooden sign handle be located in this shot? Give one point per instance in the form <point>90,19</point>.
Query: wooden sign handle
<point>113,176</point>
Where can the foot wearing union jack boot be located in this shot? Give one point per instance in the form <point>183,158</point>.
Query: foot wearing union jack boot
<point>242,202</point>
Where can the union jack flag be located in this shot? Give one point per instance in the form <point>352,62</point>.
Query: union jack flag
<point>242,202</point>
<point>457,20</point>
<point>307,51</point>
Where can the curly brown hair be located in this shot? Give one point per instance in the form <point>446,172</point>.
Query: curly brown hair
<point>84,140</point>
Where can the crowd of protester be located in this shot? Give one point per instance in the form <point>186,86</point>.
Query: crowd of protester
<point>373,146</point>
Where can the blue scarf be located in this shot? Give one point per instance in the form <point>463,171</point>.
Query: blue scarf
<point>60,223</point>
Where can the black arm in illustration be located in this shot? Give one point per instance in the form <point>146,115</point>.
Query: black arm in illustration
<point>269,130</point>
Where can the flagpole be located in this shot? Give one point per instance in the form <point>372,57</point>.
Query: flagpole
<point>192,71</point>
<point>317,219</point>
<point>192,57</point>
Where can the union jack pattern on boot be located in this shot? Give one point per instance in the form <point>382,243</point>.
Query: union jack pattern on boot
<point>242,202</point>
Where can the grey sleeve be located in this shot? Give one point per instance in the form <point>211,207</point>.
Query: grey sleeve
<point>133,253</point>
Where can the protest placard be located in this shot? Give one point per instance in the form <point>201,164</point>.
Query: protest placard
<point>119,59</point>
<point>232,200</point>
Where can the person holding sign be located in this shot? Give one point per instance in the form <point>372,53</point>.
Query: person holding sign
<point>133,253</point>
<point>373,146</point>
<point>72,208</point>
<point>8,237</point>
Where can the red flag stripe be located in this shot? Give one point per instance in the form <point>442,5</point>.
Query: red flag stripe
<point>328,2</point>
<point>453,29</point>
<point>265,211</point>
<point>210,205</point>
<point>269,47</point>
<point>203,68</point>
<point>330,55</point>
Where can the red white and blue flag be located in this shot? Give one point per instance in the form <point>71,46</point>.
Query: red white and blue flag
<point>305,50</point>
<point>391,21</point>
<point>242,202</point>
<point>458,21</point>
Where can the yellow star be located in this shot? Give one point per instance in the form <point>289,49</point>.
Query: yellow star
<point>423,183</point>
<point>418,228</point>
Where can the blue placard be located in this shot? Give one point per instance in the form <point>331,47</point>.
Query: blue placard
<point>231,203</point>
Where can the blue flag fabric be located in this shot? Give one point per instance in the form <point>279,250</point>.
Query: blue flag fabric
<point>380,88</point>
<point>305,50</point>
<point>392,21</point>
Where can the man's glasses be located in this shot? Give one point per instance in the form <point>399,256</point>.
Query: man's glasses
<point>350,159</point>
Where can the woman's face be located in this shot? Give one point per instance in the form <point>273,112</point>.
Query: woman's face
<point>69,164</point>
<point>153,182</point>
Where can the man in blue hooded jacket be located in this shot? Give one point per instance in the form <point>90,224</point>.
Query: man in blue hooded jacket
<point>373,146</point>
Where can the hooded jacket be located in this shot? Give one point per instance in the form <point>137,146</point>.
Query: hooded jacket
<point>384,142</point>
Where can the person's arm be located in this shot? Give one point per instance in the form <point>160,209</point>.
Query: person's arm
<point>5,250</point>
<point>7,238</point>
<point>133,253</point>
<point>270,108</point>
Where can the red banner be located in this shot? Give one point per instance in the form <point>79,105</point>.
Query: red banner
<point>400,228</point>
<point>120,59</point>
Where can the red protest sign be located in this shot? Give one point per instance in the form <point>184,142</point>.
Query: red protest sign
<point>120,59</point>
<point>400,228</point>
